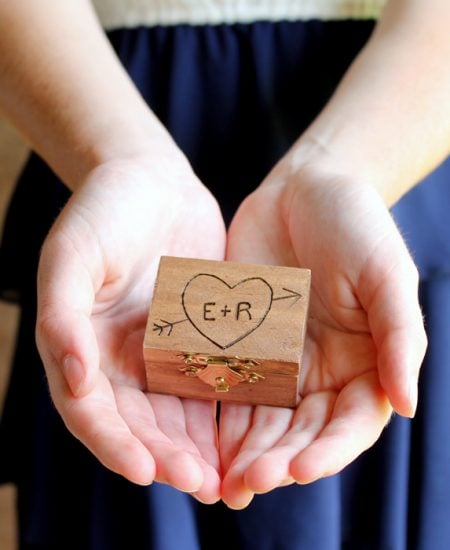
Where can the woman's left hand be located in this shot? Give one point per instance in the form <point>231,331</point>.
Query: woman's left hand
<point>365,338</point>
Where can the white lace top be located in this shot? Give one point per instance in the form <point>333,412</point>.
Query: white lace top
<point>131,13</point>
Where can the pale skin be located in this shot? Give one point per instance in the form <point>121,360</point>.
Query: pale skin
<point>385,128</point>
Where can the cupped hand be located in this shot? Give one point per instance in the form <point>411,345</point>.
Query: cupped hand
<point>365,338</point>
<point>96,275</point>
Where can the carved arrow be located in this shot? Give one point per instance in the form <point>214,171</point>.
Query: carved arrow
<point>292,294</point>
<point>166,325</point>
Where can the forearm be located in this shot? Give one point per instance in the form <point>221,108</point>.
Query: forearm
<point>389,121</point>
<point>62,86</point>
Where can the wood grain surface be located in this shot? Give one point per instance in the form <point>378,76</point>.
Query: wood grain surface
<point>228,310</point>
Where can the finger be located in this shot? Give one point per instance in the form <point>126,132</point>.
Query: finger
<point>271,468</point>
<point>396,323</point>
<point>64,333</point>
<point>67,342</point>
<point>159,422</point>
<point>175,465</point>
<point>361,411</point>
<point>187,424</point>
<point>201,427</point>
<point>268,425</point>
<point>96,422</point>
<point>235,421</point>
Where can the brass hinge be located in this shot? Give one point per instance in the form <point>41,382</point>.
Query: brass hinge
<point>220,372</point>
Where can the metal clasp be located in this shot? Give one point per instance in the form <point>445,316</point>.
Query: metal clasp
<point>221,373</point>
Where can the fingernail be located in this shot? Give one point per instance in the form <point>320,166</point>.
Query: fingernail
<point>241,503</point>
<point>142,483</point>
<point>413,395</point>
<point>73,373</point>
<point>205,501</point>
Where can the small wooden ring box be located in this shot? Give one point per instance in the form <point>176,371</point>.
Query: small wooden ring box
<point>227,331</point>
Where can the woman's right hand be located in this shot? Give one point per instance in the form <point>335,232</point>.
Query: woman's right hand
<point>96,275</point>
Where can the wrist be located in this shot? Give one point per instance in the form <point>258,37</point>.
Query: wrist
<point>144,143</point>
<point>309,173</point>
<point>331,158</point>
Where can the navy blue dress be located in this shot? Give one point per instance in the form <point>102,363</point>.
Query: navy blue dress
<point>235,98</point>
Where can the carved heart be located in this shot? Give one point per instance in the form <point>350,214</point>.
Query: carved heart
<point>226,314</point>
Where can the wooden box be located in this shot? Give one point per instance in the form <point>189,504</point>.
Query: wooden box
<point>227,331</point>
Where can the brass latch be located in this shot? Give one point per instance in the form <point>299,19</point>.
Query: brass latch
<point>220,372</point>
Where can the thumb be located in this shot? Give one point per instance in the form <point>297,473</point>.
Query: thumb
<point>397,325</point>
<point>64,333</point>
